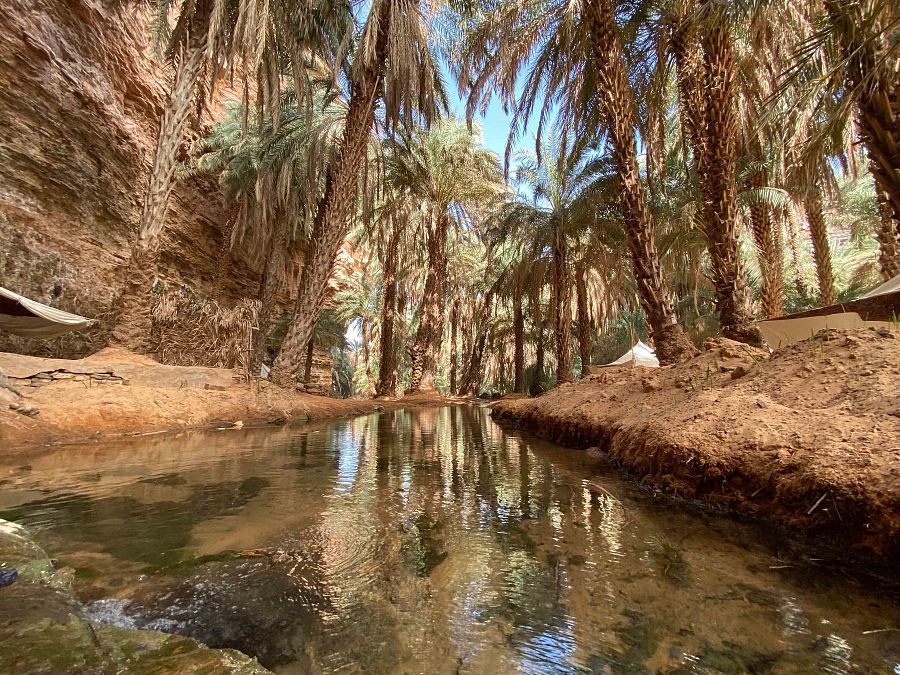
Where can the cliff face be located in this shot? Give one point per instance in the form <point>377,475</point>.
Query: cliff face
<point>80,98</point>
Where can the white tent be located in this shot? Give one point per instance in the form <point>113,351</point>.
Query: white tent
<point>21,316</point>
<point>639,355</point>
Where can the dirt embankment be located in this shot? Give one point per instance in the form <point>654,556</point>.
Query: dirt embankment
<point>115,392</point>
<point>808,437</point>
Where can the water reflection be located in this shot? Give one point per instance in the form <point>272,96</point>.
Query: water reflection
<point>430,540</point>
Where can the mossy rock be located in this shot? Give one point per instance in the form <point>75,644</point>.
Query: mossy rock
<point>76,646</point>
<point>43,628</point>
<point>19,551</point>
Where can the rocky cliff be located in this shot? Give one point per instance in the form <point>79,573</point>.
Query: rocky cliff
<point>80,98</point>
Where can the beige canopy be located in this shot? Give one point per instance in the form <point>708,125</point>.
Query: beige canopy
<point>889,286</point>
<point>21,316</point>
<point>875,309</point>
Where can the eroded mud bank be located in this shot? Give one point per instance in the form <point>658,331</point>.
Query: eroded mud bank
<point>808,437</point>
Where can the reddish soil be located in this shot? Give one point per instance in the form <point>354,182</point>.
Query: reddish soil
<point>808,437</point>
<point>157,399</point>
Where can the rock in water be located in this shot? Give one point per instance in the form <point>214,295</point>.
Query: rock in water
<point>7,577</point>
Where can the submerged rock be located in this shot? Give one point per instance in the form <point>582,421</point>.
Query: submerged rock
<point>263,606</point>
<point>43,627</point>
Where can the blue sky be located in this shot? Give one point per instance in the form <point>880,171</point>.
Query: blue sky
<point>494,124</point>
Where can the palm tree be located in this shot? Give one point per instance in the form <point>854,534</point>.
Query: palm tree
<point>471,377</point>
<point>765,231</point>
<point>392,65</point>
<point>387,374</point>
<point>584,319</point>
<point>518,333</point>
<point>206,35</point>
<point>857,38</point>
<point>357,301</point>
<point>888,239</point>
<point>270,177</point>
<point>454,344</point>
<point>575,59</point>
<point>707,81</point>
<point>445,172</point>
<point>818,232</point>
<point>554,205</point>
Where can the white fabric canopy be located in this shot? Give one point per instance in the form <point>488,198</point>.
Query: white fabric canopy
<point>639,355</point>
<point>889,286</point>
<point>21,316</point>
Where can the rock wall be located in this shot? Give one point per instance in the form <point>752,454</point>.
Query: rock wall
<point>79,109</point>
<point>80,97</point>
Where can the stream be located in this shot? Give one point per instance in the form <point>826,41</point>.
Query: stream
<point>433,541</point>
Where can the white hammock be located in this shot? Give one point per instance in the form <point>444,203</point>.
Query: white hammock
<point>21,316</point>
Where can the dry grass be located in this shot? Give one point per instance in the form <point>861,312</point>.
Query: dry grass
<point>190,330</point>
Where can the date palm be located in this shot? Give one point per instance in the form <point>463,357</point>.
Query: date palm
<point>207,35</point>
<point>572,54</point>
<point>859,37</point>
<point>845,70</point>
<point>555,204</point>
<point>393,67</point>
<point>704,51</point>
<point>270,177</point>
<point>445,172</point>
<point>392,239</point>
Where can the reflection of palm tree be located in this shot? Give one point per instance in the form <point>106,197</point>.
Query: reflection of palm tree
<point>524,481</point>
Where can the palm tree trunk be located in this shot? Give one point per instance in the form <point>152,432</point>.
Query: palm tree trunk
<point>499,346</point>
<point>821,249</point>
<point>685,47</point>
<point>716,167</point>
<point>536,384</point>
<point>223,260</point>
<point>268,291</point>
<point>431,319</point>
<point>367,356</point>
<point>563,294</point>
<point>621,118</point>
<point>519,337</point>
<point>334,209</point>
<point>793,230</point>
<point>133,319</point>
<point>387,375</point>
<point>471,378</point>
<point>584,320</point>
<point>879,124</point>
<point>402,325</point>
<point>308,361</point>
<point>888,238</point>
<point>454,352</point>
<point>771,264</point>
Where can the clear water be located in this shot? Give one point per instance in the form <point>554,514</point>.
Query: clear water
<point>432,541</point>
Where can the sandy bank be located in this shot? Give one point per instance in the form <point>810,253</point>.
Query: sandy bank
<point>808,437</point>
<point>115,392</point>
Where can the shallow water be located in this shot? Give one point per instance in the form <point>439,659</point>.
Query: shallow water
<point>432,540</point>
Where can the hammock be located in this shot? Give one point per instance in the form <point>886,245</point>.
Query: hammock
<point>21,316</point>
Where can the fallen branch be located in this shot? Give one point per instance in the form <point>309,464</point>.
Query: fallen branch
<point>816,505</point>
